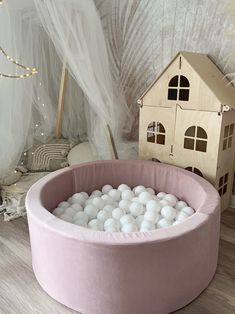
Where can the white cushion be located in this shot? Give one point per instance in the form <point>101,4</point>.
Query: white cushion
<point>82,152</point>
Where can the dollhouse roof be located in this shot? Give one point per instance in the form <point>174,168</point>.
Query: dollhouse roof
<point>209,73</point>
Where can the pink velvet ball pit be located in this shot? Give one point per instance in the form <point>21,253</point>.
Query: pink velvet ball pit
<point>94,272</point>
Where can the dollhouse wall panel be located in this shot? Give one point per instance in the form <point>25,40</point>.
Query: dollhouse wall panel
<point>224,185</point>
<point>213,77</point>
<point>149,150</point>
<point>205,161</point>
<point>200,96</point>
<point>157,94</point>
<point>225,173</point>
<point>227,140</point>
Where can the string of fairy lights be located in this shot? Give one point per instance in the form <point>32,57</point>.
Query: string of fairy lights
<point>32,71</point>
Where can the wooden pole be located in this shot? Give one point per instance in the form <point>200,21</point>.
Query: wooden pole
<point>112,143</point>
<point>63,81</point>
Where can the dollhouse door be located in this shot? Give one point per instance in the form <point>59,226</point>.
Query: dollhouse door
<point>156,134</point>
<point>196,142</point>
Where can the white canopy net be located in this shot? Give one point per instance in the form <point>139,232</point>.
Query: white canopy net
<point>46,34</point>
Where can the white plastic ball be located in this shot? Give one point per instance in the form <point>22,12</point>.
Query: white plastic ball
<point>111,229</point>
<point>129,227</point>
<point>145,229</point>
<point>162,223</point>
<point>81,216</point>
<point>136,209</point>
<point>123,187</point>
<point>176,222</point>
<point>85,195</point>
<point>144,197</point>
<point>66,218</point>
<point>164,203</point>
<point>70,211</point>
<point>63,205</point>
<point>96,228</point>
<point>111,223</point>
<point>153,205</point>
<point>180,204</point>
<point>89,201</point>
<point>80,223</point>
<point>106,188</point>
<point>135,199</point>
<point>139,220</point>
<point>109,208</point>
<point>107,199</point>
<point>127,195</point>
<point>139,189</point>
<point>151,216</point>
<point>58,211</point>
<point>117,213</point>
<point>124,204</point>
<point>147,225</point>
<point>155,198</point>
<point>115,194</point>
<point>103,215</point>
<point>188,210</point>
<point>181,216</point>
<point>126,219</point>
<point>91,211</point>
<point>161,195</point>
<point>115,204</point>
<point>96,193</point>
<point>98,202</point>
<point>77,207</point>
<point>70,200</point>
<point>171,199</point>
<point>151,191</point>
<point>78,198</point>
<point>168,212</point>
<point>95,224</point>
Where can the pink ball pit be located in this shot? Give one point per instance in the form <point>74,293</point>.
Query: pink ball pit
<point>94,272</point>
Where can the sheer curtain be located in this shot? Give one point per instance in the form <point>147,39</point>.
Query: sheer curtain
<point>142,37</point>
<point>15,104</point>
<point>75,29</point>
<point>43,34</point>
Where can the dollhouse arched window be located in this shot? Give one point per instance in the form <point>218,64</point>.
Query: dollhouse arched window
<point>195,170</point>
<point>156,133</point>
<point>195,138</point>
<point>178,88</point>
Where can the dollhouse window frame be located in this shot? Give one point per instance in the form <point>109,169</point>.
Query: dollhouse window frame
<point>156,133</point>
<point>195,138</point>
<point>178,88</point>
<point>194,170</point>
<point>228,136</point>
<point>223,184</point>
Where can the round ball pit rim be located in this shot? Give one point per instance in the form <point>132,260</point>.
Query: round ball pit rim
<point>38,212</point>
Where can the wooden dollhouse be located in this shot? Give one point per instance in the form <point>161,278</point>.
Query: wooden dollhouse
<point>187,119</point>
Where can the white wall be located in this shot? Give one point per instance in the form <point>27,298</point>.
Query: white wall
<point>143,36</point>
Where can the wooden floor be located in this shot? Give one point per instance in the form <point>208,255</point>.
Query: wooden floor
<point>21,294</point>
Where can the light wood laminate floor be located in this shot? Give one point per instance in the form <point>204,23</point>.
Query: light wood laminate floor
<point>21,294</point>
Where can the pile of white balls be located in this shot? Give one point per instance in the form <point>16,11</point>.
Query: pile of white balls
<point>123,209</point>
